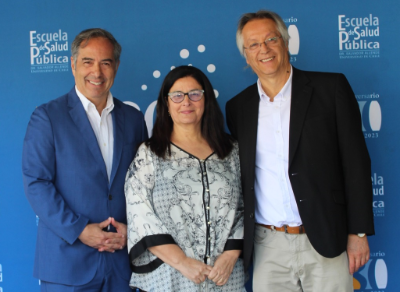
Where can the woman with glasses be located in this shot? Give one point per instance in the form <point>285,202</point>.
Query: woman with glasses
<point>183,194</point>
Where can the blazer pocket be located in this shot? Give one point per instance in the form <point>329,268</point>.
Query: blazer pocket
<point>128,146</point>
<point>316,119</point>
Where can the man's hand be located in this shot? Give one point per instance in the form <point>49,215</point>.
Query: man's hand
<point>223,267</point>
<point>119,241</point>
<point>357,251</point>
<point>94,236</point>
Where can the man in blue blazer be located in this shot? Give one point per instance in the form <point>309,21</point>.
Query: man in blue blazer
<point>76,152</point>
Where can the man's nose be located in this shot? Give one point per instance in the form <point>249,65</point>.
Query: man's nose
<point>96,69</point>
<point>264,46</point>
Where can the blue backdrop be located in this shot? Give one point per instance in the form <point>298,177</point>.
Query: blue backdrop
<point>357,38</point>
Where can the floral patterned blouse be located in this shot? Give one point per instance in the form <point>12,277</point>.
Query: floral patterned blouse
<point>194,203</point>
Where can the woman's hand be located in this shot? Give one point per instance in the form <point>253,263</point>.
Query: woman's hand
<point>194,270</point>
<point>223,267</point>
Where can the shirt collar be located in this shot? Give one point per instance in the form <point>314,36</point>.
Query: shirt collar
<point>283,95</point>
<point>86,102</point>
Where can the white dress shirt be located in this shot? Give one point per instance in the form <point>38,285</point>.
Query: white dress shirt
<point>102,126</point>
<point>276,204</point>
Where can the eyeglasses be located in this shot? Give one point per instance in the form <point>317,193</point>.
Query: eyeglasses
<point>268,42</point>
<point>179,96</point>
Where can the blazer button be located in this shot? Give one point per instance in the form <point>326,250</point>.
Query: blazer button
<point>252,188</point>
<point>251,215</point>
<point>110,197</point>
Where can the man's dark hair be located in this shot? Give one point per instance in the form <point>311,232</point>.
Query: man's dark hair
<point>87,34</point>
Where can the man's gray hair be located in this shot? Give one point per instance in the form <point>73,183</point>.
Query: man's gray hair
<point>87,34</point>
<point>261,14</point>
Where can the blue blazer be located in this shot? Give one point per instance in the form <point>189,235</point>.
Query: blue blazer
<point>65,181</point>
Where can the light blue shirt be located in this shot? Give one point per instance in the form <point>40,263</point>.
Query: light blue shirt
<point>276,204</point>
<point>102,126</point>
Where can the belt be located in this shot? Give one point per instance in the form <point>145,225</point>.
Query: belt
<point>286,228</point>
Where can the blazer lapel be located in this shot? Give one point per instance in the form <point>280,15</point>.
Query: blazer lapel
<point>301,96</point>
<point>118,122</point>
<point>250,122</point>
<point>79,116</point>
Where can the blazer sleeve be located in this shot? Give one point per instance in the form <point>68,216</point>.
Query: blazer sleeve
<point>39,173</point>
<point>355,160</point>
<point>235,238</point>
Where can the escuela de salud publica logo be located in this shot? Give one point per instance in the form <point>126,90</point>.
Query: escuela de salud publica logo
<point>49,51</point>
<point>358,37</point>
